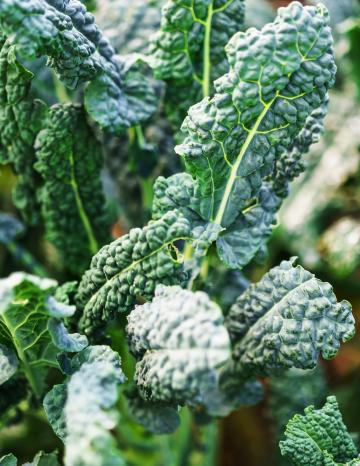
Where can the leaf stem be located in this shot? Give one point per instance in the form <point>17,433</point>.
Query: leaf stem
<point>206,52</point>
<point>93,245</point>
<point>235,167</point>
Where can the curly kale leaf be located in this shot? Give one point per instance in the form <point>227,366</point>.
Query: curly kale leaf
<point>30,326</point>
<point>261,111</point>
<point>72,200</point>
<point>288,319</point>
<point>180,342</point>
<point>78,51</point>
<point>82,410</point>
<point>319,438</point>
<point>21,118</point>
<point>188,51</point>
<point>129,267</point>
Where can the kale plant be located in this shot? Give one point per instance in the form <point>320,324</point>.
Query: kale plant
<point>125,333</point>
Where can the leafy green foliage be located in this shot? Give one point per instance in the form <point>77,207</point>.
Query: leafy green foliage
<point>319,438</point>
<point>72,200</point>
<point>78,52</point>
<point>264,99</point>
<point>188,51</point>
<point>30,327</point>
<point>288,319</point>
<point>17,137</point>
<point>180,341</point>
<point>131,266</point>
<point>82,410</point>
<point>260,107</point>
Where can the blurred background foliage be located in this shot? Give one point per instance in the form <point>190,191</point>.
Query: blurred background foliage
<point>320,223</point>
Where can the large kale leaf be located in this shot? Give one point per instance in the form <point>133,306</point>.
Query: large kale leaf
<point>265,112</point>
<point>69,160</point>
<point>131,267</point>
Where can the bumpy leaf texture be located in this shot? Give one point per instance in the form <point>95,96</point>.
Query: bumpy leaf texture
<point>82,410</point>
<point>72,200</point>
<point>319,438</point>
<point>188,51</point>
<point>288,319</point>
<point>180,342</point>
<point>66,33</point>
<point>129,267</point>
<point>264,109</point>
<point>24,326</point>
<point>20,120</point>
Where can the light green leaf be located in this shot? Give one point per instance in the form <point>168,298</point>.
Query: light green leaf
<point>180,342</point>
<point>129,267</point>
<point>288,319</point>
<point>319,438</point>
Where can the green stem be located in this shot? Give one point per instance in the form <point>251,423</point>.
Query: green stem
<point>206,52</point>
<point>146,186</point>
<point>26,258</point>
<point>235,167</point>
<point>60,90</point>
<point>140,136</point>
<point>93,245</point>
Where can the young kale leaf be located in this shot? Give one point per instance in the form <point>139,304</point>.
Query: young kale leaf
<point>31,327</point>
